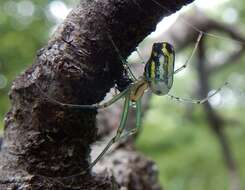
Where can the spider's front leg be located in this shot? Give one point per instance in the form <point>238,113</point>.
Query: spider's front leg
<point>124,62</point>
<point>191,55</point>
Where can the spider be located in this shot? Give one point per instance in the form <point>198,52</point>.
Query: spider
<point>158,76</point>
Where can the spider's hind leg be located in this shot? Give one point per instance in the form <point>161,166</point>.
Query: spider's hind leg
<point>201,101</point>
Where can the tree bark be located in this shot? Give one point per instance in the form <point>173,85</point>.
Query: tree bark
<point>44,141</point>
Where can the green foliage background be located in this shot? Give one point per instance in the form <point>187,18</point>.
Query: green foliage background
<point>175,135</point>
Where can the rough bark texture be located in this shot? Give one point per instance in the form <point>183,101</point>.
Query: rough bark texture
<point>44,141</point>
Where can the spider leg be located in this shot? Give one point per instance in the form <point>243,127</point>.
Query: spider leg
<point>125,63</point>
<point>112,141</point>
<point>138,113</point>
<point>93,106</point>
<point>191,55</point>
<point>140,55</point>
<point>201,101</point>
<point>138,122</point>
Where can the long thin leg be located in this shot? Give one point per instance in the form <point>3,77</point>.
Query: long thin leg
<point>191,55</point>
<point>93,106</point>
<point>113,140</point>
<point>201,101</point>
<point>138,113</point>
<point>125,63</point>
<point>140,55</point>
<point>138,121</point>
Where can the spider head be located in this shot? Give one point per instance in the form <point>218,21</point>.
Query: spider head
<point>159,69</point>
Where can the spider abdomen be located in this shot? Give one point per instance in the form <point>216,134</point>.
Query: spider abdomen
<point>159,69</point>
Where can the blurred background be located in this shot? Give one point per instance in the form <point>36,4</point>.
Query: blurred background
<point>196,147</point>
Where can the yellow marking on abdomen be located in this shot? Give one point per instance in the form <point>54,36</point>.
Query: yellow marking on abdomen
<point>153,67</point>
